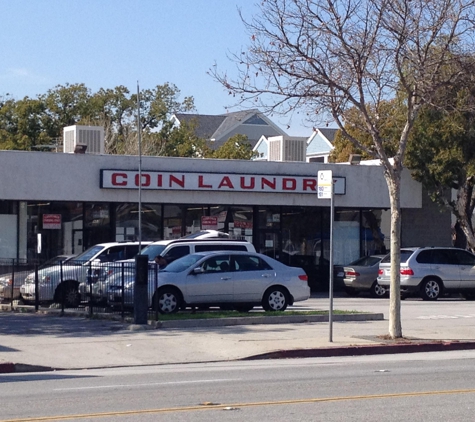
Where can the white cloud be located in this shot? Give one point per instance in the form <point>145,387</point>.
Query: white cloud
<point>21,74</point>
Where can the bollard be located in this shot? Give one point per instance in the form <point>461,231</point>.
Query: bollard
<point>141,289</point>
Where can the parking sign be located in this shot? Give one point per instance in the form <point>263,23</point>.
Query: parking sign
<point>325,184</point>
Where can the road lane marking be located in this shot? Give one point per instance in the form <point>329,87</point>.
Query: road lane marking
<point>205,407</point>
<point>445,316</point>
<point>146,384</point>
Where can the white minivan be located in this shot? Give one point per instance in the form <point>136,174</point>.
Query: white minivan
<point>174,249</point>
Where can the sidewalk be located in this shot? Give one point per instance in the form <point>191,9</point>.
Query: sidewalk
<point>32,342</point>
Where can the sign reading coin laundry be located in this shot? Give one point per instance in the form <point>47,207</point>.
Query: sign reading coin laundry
<point>125,179</point>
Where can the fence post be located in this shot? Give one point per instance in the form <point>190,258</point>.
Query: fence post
<point>89,277</point>
<point>155,296</point>
<point>37,293</point>
<point>13,284</point>
<point>122,282</point>
<point>63,290</point>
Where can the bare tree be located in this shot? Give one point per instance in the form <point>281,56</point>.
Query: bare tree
<point>327,56</point>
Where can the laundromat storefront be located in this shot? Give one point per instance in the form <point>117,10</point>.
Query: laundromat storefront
<point>273,205</point>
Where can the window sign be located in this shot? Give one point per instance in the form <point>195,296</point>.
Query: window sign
<point>52,221</point>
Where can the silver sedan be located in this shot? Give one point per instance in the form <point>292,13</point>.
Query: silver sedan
<point>361,275</point>
<point>231,280</point>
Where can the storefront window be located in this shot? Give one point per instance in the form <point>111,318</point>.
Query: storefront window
<point>194,218</point>
<point>8,232</point>
<point>241,225</point>
<point>127,222</point>
<point>269,218</point>
<point>97,224</point>
<point>372,237</point>
<point>346,236</point>
<point>301,236</point>
<point>236,220</point>
<point>172,221</point>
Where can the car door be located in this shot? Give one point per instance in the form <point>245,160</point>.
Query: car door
<point>252,277</point>
<point>445,265</point>
<point>214,284</point>
<point>466,262</point>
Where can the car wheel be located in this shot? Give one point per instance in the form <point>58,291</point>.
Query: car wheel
<point>69,293</point>
<point>350,291</point>
<point>275,299</point>
<point>377,290</point>
<point>168,300</point>
<point>431,289</point>
<point>243,309</point>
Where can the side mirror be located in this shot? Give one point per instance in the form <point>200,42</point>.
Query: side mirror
<point>198,270</point>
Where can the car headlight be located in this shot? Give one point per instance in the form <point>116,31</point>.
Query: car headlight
<point>6,281</point>
<point>45,279</point>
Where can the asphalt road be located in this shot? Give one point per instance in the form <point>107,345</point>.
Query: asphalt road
<point>426,386</point>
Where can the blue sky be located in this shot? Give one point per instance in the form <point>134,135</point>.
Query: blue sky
<point>106,43</point>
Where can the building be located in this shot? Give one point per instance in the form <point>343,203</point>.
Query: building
<point>55,203</point>
<point>315,148</point>
<point>217,129</point>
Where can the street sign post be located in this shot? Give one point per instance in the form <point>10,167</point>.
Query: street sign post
<point>325,191</point>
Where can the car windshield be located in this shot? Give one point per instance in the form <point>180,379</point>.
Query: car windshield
<point>153,250</point>
<point>56,260</point>
<point>366,261</point>
<point>181,264</point>
<point>87,255</point>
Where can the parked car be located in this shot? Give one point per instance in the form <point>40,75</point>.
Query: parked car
<point>61,282</point>
<point>433,271</point>
<point>361,276</point>
<point>174,249</point>
<point>113,275</point>
<point>17,278</point>
<point>238,280</point>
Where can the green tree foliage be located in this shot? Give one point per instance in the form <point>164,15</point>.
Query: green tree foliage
<point>37,124</point>
<point>442,154</point>
<point>389,123</point>
<point>236,147</point>
<point>24,125</point>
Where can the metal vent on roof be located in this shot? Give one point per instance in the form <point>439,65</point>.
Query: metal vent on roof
<point>286,149</point>
<point>90,138</point>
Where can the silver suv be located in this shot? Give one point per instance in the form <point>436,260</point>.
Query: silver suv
<point>432,271</point>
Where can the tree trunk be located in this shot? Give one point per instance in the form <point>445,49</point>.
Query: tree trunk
<point>395,328</point>
<point>459,238</point>
<point>463,212</point>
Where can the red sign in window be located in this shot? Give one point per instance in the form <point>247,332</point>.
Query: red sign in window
<point>209,222</point>
<point>52,221</point>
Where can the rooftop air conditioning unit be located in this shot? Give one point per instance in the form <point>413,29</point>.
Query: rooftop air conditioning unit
<point>287,149</point>
<point>83,139</point>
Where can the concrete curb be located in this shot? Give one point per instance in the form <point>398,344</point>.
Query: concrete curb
<point>291,319</point>
<point>377,349</point>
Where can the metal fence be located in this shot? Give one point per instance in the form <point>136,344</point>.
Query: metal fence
<point>92,288</point>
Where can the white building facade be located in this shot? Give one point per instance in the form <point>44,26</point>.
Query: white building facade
<point>55,203</point>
